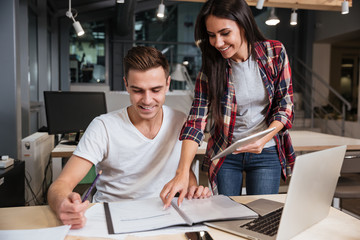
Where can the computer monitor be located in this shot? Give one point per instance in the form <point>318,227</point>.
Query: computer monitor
<point>72,112</point>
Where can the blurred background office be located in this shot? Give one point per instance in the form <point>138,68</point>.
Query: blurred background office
<point>41,51</point>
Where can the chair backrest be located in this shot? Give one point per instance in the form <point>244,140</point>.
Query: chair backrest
<point>351,163</point>
<point>99,72</point>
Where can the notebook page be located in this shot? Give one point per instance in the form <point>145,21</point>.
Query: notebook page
<point>142,215</point>
<point>218,207</point>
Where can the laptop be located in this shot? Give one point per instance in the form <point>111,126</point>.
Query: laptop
<point>308,200</point>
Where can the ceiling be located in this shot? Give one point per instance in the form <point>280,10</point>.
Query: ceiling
<point>61,6</point>
<point>329,5</point>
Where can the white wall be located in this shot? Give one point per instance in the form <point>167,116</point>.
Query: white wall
<point>90,87</point>
<point>352,129</point>
<point>179,100</point>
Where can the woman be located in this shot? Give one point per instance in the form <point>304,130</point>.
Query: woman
<point>245,83</point>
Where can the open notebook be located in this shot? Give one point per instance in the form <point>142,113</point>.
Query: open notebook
<point>148,214</point>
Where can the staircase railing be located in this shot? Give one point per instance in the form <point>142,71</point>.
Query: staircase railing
<point>301,81</point>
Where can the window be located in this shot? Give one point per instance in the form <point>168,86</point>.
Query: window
<point>349,84</point>
<point>87,54</point>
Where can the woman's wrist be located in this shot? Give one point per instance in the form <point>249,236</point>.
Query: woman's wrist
<point>182,172</point>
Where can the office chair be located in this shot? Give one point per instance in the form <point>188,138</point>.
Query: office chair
<point>349,182</point>
<point>91,195</point>
<point>98,74</point>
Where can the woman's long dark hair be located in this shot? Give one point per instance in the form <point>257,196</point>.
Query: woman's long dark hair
<point>213,64</point>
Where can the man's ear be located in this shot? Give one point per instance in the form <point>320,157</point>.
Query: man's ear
<point>168,80</point>
<point>125,81</point>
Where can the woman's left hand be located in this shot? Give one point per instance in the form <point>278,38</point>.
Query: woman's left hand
<point>255,147</point>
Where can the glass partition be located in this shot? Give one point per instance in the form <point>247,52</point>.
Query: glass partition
<point>87,54</point>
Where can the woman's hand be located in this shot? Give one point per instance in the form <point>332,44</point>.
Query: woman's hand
<point>198,192</point>
<point>255,147</point>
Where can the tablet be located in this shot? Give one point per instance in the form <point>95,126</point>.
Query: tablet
<point>242,142</point>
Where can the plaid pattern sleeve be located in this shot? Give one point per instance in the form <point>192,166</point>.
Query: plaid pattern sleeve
<point>283,100</point>
<point>193,128</point>
<point>275,70</point>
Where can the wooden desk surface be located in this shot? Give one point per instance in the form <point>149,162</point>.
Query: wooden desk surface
<point>62,150</point>
<point>302,141</point>
<point>308,141</point>
<point>314,141</point>
<point>337,225</point>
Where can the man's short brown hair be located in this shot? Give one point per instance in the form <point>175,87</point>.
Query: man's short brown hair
<point>143,58</point>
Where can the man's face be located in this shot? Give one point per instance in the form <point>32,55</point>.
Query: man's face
<point>147,91</point>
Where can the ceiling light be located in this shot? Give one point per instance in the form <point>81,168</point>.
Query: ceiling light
<point>161,10</point>
<point>293,18</point>
<point>273,19</point>
<point>260,4</point>
<point>120,1</point>
<point>345,7</point>
<point>77,26</point>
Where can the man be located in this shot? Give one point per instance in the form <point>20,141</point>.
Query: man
<point>136,148</point>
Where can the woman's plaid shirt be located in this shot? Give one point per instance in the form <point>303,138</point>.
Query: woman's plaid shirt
<point>276,73</point>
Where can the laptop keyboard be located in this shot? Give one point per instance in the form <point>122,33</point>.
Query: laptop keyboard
<point>267,224</point>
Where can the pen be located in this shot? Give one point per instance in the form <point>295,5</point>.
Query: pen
<point>92,186</point>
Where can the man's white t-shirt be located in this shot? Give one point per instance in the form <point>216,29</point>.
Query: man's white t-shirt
<point>133,166</point>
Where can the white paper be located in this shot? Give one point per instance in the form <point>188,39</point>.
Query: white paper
<point>217,207</point>
<point>130,216</point>
<point>172,230</point>
<point>53,233</point>
<point>142,215</point>
<point>96,227</point>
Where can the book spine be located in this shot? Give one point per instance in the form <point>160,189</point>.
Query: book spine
<point>108,218</point>
<point>181,213</point>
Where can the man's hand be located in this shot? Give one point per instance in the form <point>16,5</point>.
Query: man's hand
<point>179,184</point>
<point>71,211</point>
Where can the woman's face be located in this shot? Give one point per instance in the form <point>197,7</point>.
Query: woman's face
<point>227,37</point>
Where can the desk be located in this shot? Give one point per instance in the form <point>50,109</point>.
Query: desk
<point>303,141</point>
<point>12,185</point>
<point>313,141</point>
<point>65,151</point>
<point>307,141</point>
<point>59,152</point>
<point>337,225</point>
